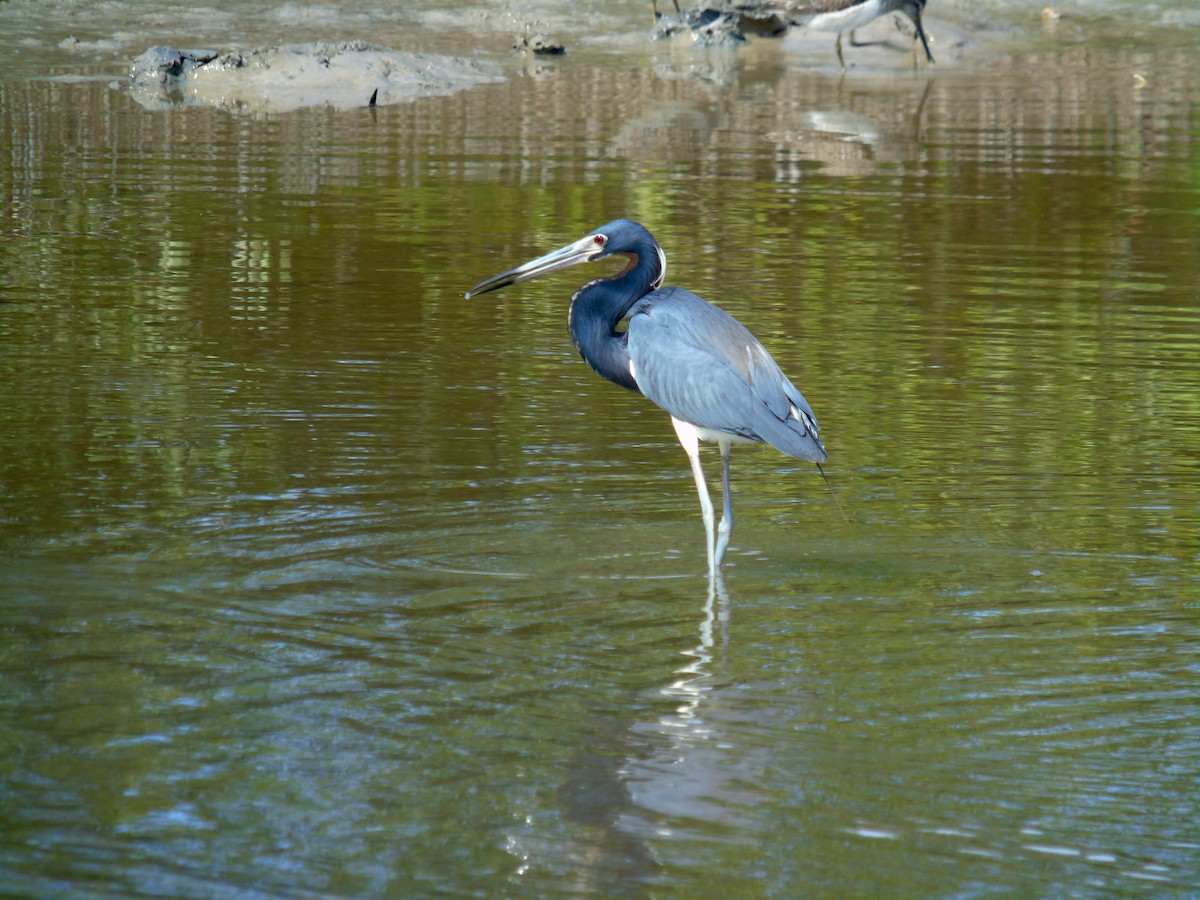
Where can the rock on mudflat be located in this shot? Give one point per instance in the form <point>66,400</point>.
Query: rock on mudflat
<point>163,65</point>
<point>539,45</point>
<point>279,79</point>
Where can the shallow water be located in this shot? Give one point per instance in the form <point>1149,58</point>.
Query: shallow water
<point>317,579</point>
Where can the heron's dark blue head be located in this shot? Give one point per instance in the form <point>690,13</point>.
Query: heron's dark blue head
<point>621,236</point>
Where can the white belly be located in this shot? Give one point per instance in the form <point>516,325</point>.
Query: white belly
<point>848,19</point>
<point>712,434</point>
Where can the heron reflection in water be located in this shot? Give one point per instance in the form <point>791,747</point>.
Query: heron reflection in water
<point>711,375</point>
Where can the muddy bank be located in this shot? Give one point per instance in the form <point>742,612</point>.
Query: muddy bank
<point>279,79</point>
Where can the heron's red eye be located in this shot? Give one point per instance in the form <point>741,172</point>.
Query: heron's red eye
<point>600,240</point>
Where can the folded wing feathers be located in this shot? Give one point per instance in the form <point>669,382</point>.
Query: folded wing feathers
<point>665,328</point>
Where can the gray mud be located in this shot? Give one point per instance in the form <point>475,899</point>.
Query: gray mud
<point>279,79</point>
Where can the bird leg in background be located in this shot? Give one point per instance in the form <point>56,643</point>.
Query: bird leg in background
<point>655,3</point>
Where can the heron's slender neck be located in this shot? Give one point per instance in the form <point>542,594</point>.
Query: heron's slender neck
<point>599,306</point>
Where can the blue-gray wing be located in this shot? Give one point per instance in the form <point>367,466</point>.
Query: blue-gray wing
<point>704,367</point>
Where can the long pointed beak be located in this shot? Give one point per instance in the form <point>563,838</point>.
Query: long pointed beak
<point>583,250</point>
<point>921,35</point>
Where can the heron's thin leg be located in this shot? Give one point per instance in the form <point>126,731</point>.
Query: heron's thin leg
<point>691,446</point>
<point>725,529</point>
<point>838,47</point>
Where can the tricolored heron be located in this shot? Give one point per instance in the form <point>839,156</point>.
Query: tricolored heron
<point>712,376</point>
